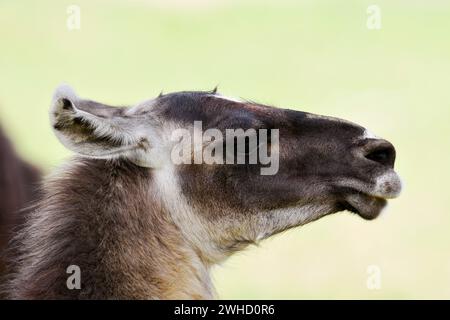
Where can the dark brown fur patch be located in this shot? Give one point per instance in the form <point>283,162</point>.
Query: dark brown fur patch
<point>18,184</point>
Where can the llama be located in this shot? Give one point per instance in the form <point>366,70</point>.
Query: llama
<point>18,183</point>
<point>139,227</point>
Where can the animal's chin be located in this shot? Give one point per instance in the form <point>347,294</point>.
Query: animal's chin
<point>366,206</point>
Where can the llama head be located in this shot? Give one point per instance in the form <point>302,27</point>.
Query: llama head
<point>284,168</point>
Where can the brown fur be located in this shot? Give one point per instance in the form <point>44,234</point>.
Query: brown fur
<point>101,216</point>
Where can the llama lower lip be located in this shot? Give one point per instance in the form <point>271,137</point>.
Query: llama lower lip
<point>366,206</point>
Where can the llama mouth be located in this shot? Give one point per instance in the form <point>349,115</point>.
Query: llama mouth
<point>369,200</point>
<point>366,206</point>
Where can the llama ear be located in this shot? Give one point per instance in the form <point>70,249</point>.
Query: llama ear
<point>90,128</point>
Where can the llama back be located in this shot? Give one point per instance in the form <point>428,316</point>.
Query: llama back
<point>18,186</point>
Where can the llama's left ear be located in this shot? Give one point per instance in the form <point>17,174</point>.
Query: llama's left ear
<point>97,130</point>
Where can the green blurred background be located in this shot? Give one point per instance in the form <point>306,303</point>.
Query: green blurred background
<point>317,56</point>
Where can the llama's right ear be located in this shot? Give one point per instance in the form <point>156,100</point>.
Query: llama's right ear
<point>97,130</point>
<point>90,128</point>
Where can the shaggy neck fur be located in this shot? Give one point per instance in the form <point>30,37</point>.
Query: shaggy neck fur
<point>104,217</point>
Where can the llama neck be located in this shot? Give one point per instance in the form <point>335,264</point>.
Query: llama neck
<point>102,217</point>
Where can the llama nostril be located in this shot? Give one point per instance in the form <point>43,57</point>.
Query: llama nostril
<point>381,152</point>
<point>380,156</point>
